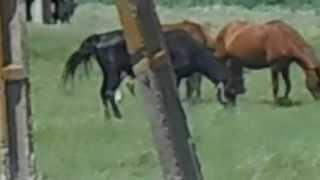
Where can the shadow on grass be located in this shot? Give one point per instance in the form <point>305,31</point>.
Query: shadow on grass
<point>196,101</point>
<point>282,103</point>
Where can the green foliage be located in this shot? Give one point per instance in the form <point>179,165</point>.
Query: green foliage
<point>246,3</point>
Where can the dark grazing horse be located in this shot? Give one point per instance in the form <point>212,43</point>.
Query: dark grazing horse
<point>274,44</point>
<point>201,34</point>
<point>62,10</point>
<point>187,57</point>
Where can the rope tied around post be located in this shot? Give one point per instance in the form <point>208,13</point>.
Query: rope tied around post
<point>13,72</point>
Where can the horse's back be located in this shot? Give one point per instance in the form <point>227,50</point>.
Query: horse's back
<point>183,49</point>
<point>259,44</point>
<point>241,40</point>
<point>197,31</point>
<point>289,32</point>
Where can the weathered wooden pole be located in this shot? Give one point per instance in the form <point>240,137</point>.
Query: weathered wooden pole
<point>16,103</point>
<point>168,121</point>
<point>3,110</point>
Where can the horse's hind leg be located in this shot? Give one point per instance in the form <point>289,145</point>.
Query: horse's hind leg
<point>189,88</point>
<point>193,85</point>
<point>131,86</point>
<point>198,86</point>
<point>286,77</point>
<point>114,80</point>
<point>115,108</point>
<point>178,82</point>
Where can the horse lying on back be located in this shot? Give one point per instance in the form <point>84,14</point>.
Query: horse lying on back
<point>274,44</point>
<point>187,57</point>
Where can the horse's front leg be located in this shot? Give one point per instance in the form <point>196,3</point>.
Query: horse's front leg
<point>286,77</point>
<point>275,84</point>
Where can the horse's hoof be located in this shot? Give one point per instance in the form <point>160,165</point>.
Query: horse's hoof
<point>107,116</point>
<point>230,105</point>
<point>185,100</point>
<point>284,101</point>
<point>118,116</point>
<point>197,101</point>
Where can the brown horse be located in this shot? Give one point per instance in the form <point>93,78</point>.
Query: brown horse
<point>274,44</point>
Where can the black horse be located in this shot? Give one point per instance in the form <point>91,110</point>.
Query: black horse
<point>187,57</point>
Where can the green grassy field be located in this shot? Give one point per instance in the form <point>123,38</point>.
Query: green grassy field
<point>255,141</point>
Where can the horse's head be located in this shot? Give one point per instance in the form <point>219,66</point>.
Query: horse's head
<point>233,86</point>
<point>227,95</point>
<point>313,82</point>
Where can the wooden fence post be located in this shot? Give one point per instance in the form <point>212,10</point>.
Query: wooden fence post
<point>3,110</point>
<point>17,122</point>
<point>168,121</point>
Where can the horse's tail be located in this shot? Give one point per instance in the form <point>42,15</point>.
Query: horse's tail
<point>80,57</point>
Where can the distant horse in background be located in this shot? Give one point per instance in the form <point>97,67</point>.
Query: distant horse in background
<point>187,57</point>
<point>60,10</point>
<point>274,44</point>
<point>64,10</point>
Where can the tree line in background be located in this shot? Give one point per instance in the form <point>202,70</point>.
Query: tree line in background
<point>294,4</point>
